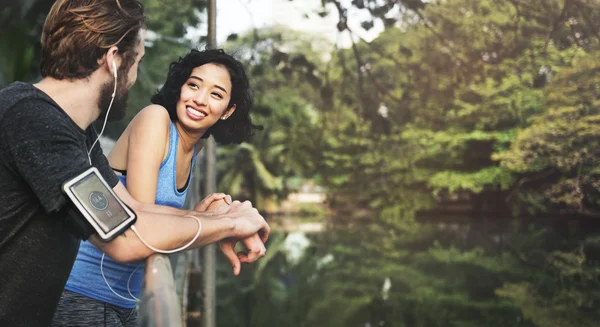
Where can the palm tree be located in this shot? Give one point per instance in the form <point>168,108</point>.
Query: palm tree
<point>244,174</point>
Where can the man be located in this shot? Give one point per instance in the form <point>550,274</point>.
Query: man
<point>45,137</point>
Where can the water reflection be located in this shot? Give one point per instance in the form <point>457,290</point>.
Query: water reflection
<point>294,246</point>
<point>421,274</point>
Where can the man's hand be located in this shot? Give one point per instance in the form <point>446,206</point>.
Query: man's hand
<point>254,244</point>
<point>246,219</point>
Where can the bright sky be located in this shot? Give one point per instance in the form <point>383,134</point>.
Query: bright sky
<point>240,16</point>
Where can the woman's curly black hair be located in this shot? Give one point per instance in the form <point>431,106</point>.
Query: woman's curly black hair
<point>238,127</point>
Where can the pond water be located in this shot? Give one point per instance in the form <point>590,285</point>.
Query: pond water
<point>488,272</point>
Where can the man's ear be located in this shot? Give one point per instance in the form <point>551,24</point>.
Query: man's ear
<point>228,112</point>
<point>110,57</point>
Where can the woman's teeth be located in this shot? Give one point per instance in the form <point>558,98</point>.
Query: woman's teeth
<point>196,112</point>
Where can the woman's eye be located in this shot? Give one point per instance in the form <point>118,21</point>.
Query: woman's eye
<point>218,95</point>
<point>192,85</point>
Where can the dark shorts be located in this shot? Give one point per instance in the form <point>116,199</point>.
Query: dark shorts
<point>76,310</point>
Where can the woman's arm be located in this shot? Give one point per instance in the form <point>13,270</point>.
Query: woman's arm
<point>143,150</point>
<point>202,206</point>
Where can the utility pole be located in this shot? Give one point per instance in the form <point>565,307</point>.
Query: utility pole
<point>210,149</point>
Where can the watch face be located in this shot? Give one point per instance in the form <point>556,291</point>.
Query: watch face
<point>98,200</point>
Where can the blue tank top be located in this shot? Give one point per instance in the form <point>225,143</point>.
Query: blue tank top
<point>86,278</point>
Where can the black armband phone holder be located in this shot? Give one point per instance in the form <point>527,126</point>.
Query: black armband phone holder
<point>75,222</point>
<point>95,208</point>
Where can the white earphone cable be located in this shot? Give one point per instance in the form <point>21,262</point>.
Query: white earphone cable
<point>175,250</point>
<point>133,298</point>
<point>112,99</point>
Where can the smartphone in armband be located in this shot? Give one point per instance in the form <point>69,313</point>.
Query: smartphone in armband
<point>97,204</point>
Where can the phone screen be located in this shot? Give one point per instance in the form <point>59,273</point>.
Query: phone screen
<point>99,202</point>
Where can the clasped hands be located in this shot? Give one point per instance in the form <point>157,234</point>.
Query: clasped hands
<point>255,244</point>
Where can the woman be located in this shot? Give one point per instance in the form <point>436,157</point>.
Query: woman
<point>206,93</point>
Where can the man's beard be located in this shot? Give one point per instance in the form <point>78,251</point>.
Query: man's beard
<point>119,106</point>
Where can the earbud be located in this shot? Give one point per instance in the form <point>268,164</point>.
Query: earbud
<point>114,73</point>
<point>114,69</point>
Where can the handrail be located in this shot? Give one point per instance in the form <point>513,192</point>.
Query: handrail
<point>160,306</point>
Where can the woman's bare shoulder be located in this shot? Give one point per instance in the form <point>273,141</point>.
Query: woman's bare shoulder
<point>153,114</point>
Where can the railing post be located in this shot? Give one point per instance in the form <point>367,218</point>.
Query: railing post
<point>209,262</point>
<point>160,306</point>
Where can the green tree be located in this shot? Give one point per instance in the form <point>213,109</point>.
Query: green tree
<point>440,109</point>
<point>556,158</point>
<point>283,67</point>
<point>446,91</point>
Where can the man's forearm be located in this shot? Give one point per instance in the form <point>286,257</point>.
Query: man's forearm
<point>167,229</point>
<point>166,232</point>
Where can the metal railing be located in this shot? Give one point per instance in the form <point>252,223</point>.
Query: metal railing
<point>160,305</point>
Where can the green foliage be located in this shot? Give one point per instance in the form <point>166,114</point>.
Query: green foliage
<point>474,101</point>
<point>173,17</point>
<point>20,31</point>
<point>423,275</point>
<point>472,182</point>
<point>264,294</point>
<point>445,106</point>
<point>311,211</point>
<point>565,297</point>
<point>244,175</point>
<point>557,156</point>
<point>17,56</point>
<point>282,74</point>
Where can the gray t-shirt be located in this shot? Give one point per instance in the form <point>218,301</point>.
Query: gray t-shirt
<point>40,149</point>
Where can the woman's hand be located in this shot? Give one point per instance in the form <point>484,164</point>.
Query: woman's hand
<point>212,202</point>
